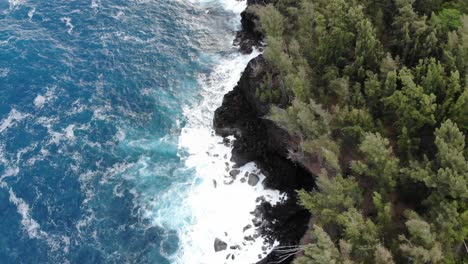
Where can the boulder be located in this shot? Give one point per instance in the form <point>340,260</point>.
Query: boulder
<point>253,179</point>
<point>234,173</point>
<point>219,245</point>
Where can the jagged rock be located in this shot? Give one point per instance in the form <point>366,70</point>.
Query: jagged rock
<point>219,245</point>
<point>226,142</point>
<point>234,173</point>
<point>249,238</point>
<point>253,179</point>
<point>242,115</point>
<point>257,222</point>
<point>235,247</point>
<point>250,36</point>
<point>247,227</point>
<point>229,182</point>
<point>257,212</point>
<point>243,180</point>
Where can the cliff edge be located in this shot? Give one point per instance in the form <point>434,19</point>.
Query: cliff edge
<point>242,114</point>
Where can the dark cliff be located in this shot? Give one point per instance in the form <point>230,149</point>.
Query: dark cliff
<point>250,36</point>
<point>242,114</point>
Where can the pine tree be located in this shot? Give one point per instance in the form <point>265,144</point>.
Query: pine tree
<point>421,247</point>
<point>459,110</point>
<point>435,81</point>
<point>449,178</point>
<point>452,175</point>
<point>379,163</point>
<point>368,50</point>
<point>272,21</point>
<point>412,106</point>
<point>353,124</point>
<point>383,256</point>
<point>332,197</point>
<point>323,250</point>
<point>361,233</point>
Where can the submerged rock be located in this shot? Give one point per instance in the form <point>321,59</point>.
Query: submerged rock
<point>219,245</point>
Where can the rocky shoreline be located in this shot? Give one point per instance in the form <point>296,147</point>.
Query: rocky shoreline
<point>242,114</point>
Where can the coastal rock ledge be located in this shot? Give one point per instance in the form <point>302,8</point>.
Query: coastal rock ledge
<point>258,139</point>
<point>250,36</point>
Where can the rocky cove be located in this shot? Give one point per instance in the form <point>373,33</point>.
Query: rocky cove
<point>258,139</point>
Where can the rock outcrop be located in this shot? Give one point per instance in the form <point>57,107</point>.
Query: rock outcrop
<point>250,36</point>
<point>242,114</point>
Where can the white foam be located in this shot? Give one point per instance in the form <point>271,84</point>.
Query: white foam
<point>95,4</point>
<point>30,225</point>
<point>234,6</point>
<point>31,13</point>
<point>39,101</point>
<point>49,96</point>
<point>4,71</point>
<point>68,23</point>
<point>15,3</point>
<point>13,117</point>
<point>9,172</point>
<point>69,132</point>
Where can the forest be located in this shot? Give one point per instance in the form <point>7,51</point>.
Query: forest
<point>377,91</point>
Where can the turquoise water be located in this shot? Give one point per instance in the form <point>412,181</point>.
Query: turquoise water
<point>92,99</point>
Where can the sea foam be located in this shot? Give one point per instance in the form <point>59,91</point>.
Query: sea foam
<point>32,228</point>
<point>13,117</point>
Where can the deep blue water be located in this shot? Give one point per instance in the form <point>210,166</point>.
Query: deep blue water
<point>91,98</point>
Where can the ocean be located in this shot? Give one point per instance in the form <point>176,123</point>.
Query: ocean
<point>106,149</point>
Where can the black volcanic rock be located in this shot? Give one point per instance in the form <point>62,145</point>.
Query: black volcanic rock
<point>250,35</point>
<point>253,179</point>
<point>219,245</point>
<point>242,114</point>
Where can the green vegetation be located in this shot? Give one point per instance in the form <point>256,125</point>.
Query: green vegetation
<point>379,97</point>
